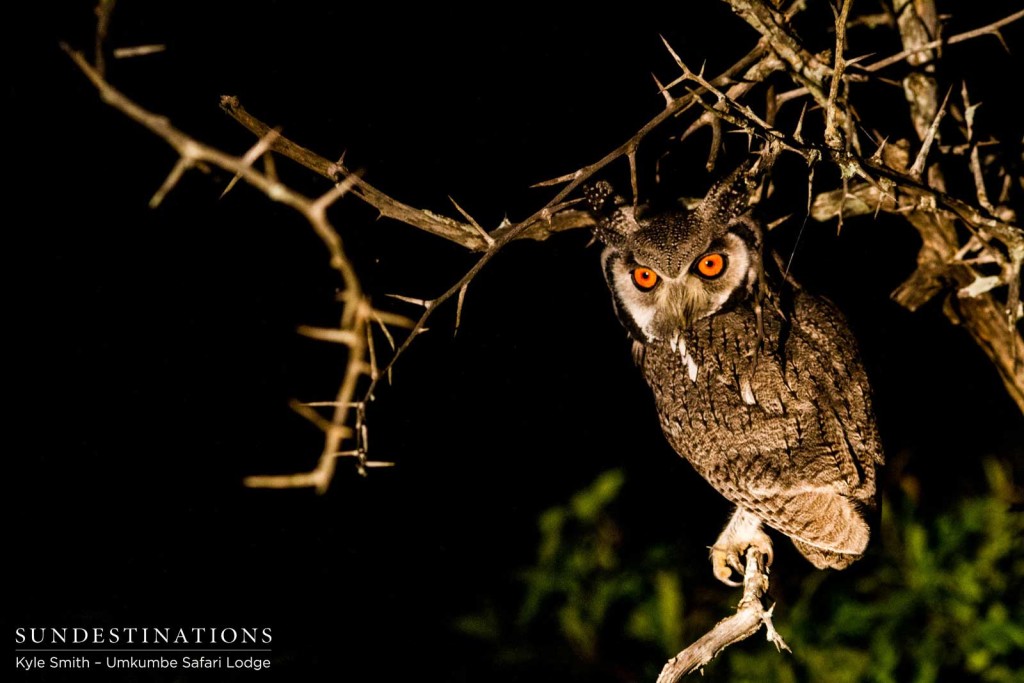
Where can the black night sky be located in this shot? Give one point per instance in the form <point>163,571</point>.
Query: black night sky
<point>156,349</point>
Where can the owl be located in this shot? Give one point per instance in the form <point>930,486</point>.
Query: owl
<point>757,383</point>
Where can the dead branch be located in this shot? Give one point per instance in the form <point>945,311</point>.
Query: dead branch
<point>756,74</point>
<point>749,617</point>
<point>104,10</point>
<point>993,330</point>
<point>987,30</point>
<point>907,54</point>
<point>357,313</point>
<point>832,136</point>
<point>336,171</point>
<point>551,218</point>
<point>736,113</point>
<point>810,70</point>
<point>138,51</point>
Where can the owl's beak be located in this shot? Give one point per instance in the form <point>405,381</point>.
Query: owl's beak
<point>678,314</point>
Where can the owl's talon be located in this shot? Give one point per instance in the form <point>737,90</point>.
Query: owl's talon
<point>728,555</point>
<point>722,567</point>
<point>735,561</point>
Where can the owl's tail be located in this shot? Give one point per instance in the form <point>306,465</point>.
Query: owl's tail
<point>826,559</point>
<point>828,528</point>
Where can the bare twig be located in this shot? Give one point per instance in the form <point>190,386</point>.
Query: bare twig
<point>458,307</point>
<point>749,617</point>
<point>832,137</point>
<point>356,311</point>
<point>472,221</point>
<point>806,68</point>
<point>914,53</point>
<point>138,51</point>
<point>249,158</point>
<point>975,163</point>
<point>192,151</point>
<point>104,10</point>
<point>922,156</point>
<point>442,226</point>
<point>757,73</point>
<point>735,112</point>
<point>988,29</point>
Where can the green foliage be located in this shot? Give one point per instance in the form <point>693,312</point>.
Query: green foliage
<point>943,600</point>
<point>580,593</point>
<point>579,573</point>
<point>940,597</point>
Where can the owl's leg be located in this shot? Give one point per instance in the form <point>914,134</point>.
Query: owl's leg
<point>742,532</point>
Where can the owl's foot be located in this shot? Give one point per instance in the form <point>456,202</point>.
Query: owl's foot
<point>729,552</point>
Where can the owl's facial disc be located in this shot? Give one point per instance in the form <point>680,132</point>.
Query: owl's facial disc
<point>654,305</point>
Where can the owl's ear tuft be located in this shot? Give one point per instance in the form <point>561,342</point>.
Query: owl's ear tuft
<point>739,191</point>
<point>597,196</point>
<point>730,197</point>
<point>615,220</point>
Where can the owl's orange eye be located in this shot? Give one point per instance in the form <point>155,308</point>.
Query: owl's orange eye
<point>711,265</point>
<point>644,278</point>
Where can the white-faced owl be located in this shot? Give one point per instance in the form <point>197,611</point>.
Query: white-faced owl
<point>757,382</point>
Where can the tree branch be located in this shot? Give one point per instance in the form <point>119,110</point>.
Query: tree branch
<point>442,226</point>
<point>808,69</point>
<point>832,115</point>
<point>749,617</point>
<point>987,30</point>
<point>546,221</point>
<point>357,313</point>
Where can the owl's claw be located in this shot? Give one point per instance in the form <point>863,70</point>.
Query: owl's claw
<point>728,555</point>
<point>722,566</point>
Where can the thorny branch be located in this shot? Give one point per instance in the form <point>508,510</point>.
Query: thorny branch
<point>357,313</point>
<point>549,219</point>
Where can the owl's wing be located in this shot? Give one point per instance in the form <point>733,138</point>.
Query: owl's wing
<point>802,456</point>
<point>823,469</point>
<point>835,382</point>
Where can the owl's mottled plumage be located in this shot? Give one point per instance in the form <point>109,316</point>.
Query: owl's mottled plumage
<point>757,383</point>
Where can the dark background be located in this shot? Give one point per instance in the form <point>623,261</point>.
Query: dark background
<point>156,350</point>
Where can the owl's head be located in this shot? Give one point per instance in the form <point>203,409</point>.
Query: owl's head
<point>669,270</point>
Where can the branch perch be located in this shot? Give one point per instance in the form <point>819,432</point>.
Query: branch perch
<point>749,617</point>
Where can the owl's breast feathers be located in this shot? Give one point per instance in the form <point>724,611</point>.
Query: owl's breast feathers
<point>792,438</point>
